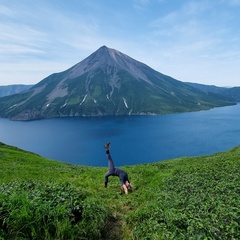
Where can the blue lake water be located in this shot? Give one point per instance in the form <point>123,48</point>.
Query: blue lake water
<point>134,139</point>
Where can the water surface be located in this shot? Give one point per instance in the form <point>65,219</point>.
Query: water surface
<point>135,139</point>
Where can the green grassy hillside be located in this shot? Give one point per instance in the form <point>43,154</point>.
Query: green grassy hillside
<point>186,198</point>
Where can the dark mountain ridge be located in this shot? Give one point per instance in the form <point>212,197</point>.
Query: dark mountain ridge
<point>107,82</point>
<point>13,89</point>
<point>233,92</point>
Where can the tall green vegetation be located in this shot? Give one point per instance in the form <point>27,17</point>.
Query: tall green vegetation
<point>187,198</point>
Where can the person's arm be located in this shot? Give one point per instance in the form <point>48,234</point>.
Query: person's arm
<point>125,188</point>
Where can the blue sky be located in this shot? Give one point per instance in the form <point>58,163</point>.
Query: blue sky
<point>190,40</point>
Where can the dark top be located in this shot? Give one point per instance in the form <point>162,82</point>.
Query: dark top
<point>123,176</point>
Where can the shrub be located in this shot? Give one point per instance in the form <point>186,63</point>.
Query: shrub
<point>39,210</point>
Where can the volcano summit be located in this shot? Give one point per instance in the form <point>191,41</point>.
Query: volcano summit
<point>107,82</point>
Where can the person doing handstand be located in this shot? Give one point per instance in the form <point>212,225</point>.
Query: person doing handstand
<point>113,171</point>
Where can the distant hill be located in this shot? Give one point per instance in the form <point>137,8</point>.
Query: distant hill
<point>13,89</point>
<point>233,92</point>
<point>108,82</point>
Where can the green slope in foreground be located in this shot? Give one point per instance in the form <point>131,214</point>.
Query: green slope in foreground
<point>185,198</point>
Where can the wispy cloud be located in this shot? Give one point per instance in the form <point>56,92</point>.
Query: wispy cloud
<point>170,37</point>
<point>5,11</point>
<point>139,5</point>
<point>44,35</point>
<point>20,39</point>
<point>189,31</point>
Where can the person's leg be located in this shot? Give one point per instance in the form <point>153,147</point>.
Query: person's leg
<point>110,162</point>
<point>111,167</point>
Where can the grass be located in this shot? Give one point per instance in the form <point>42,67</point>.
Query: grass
<point>185,198</point>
